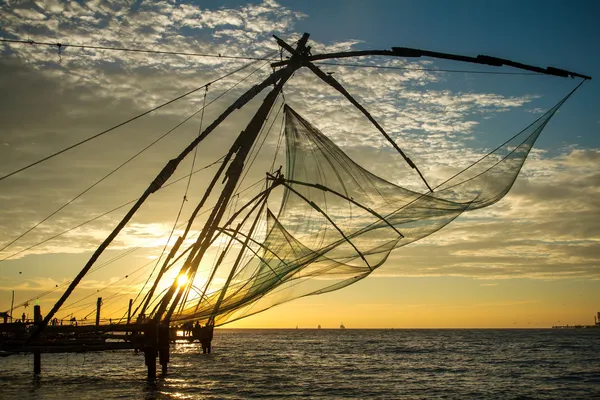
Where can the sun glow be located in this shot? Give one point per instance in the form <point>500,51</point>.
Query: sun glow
<point>182,280</point>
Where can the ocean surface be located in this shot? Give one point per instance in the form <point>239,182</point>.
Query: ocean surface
<point>331,364</point>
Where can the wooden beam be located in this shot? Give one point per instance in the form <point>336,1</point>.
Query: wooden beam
<point>407,52</point>
<point>76,348</point>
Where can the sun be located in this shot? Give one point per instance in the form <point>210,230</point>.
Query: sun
<point>182,280</point>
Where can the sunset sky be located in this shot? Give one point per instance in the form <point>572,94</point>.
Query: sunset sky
<point>531,260</point>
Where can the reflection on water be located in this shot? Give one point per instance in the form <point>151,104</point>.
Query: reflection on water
<point>374,364</point>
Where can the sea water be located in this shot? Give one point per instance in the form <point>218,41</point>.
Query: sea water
<point>331,364</point>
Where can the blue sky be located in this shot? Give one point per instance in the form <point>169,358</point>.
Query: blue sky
<point>542,235</point>
<point>552,33</point>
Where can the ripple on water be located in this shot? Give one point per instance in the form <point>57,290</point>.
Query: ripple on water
<point>331,364</point>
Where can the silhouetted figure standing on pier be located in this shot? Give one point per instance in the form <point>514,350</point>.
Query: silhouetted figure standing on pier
<point>188,328</point>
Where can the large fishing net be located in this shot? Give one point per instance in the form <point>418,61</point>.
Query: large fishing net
<point>338,222</point>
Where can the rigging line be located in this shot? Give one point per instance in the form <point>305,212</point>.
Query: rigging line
<point>124,122</point>
<point>107,286</point>
<point>126,49</point>
<point>239,256</point>
<point>559,104</point>
<point>114,259</point>
<point>349,199</point>
<point>183,200</point>
<point>188,182</point>
<point>113,298</point>
<point>258,198</point>
<point>245,98</point>
<point>425,194</point>
<point>426,69</point>
<point>281,135</point>
<point>279,140</point>
<point>189,248</point>
<point>316,207</point>
<point>108,262</point>
<point>262,143</point>
<point>102,179</point>
<point>211,102</point>
<point>104,214</point>
<point>196,148</point>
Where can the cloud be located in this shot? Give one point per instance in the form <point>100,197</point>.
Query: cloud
<point>545,229</point>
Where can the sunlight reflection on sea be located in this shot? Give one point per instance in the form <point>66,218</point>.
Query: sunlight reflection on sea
<point>331,364</point>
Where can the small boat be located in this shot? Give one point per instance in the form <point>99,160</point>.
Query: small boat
<point>342,326</point>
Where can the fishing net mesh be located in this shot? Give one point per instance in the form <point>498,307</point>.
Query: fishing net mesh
<point>339,222</point>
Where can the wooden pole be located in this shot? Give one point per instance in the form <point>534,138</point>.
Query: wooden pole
<point>37,356</point>
<point>150,348</point>
<point>98,306</point>
<point>12,304</point>
<point>241,148</point>
<point>129,311</point>
<point>163,347</point>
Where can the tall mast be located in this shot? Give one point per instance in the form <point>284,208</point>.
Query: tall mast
<point>241,149</point>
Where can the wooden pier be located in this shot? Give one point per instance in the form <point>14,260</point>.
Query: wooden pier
<point>150,337</point>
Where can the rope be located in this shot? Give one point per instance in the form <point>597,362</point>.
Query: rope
<point>133,157</point>
<point>183,200</point>
<point>104,214</point>
<point>124,122</point>
<point>61,46</point>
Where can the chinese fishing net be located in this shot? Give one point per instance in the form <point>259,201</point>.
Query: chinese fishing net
<point>339,222</point>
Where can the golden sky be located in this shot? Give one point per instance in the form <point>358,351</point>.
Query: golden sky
<point>531,260</point>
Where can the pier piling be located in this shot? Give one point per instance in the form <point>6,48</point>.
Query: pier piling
<point>98,306</point>
<point>163,347</point>
<point>150,349</point>
<point>37,356</point>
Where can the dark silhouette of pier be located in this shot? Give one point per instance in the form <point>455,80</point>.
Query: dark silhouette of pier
<point>596,324</point>
<point>72,336</point>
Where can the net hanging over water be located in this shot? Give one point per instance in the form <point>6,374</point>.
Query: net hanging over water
<point>339,222</point>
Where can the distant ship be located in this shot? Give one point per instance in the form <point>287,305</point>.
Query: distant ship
<point>342,326</point>
<point>319,327</point>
